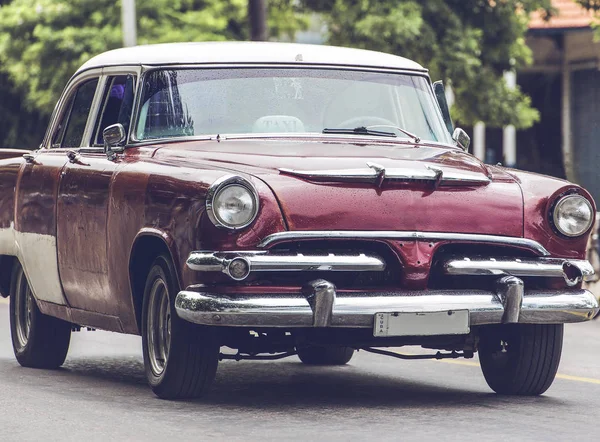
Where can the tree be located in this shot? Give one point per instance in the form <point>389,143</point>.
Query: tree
<point>468,43</point>
<point>43,42</point>
<point>19,127</point>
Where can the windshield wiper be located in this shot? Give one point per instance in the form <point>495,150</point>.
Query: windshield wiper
<point>368,130</point>
<point>362,130</point>
<point>416,138</point>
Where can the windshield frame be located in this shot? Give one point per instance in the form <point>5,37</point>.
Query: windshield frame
<point>148,69</point>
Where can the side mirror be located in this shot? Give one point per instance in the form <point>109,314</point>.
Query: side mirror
<point>114,138</point>
<point>114,135</point>
<point>440,95</point>
<point>462,139</point>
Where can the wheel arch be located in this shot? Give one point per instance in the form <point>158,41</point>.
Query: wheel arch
<point>148,244</point>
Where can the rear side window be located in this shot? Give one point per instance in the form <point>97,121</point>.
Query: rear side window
<point>74,120</point>
<point>117,104</point>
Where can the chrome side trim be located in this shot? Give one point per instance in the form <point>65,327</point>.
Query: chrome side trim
<point>262,261</point>
<point>357,310</point>
<point>370,175</point>
<point>572,270</point>
<point>303,235</point>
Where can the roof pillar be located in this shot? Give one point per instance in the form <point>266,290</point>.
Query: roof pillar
<point>509,133</point>
<point>567,145</point>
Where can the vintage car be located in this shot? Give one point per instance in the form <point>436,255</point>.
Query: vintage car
<point>281,200</point>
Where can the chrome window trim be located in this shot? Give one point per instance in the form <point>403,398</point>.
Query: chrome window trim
<point>273,65</point>
<point>351,139</point>
<point>109,73</point>
<point>314,137</point>
<point>59,110</point>
<point>523,243</point>
<point>94,110</point>
<point>97,72</point>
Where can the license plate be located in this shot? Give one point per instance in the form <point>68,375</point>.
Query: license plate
<point>449,322</point>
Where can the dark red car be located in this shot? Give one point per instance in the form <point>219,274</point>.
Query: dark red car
<point>283,199</point>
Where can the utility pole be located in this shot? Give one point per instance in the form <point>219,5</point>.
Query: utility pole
<point>509,133</point>
<point>128,23</point>
<point>257,11</point>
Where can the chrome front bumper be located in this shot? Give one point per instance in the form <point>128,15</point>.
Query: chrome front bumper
<point>320,306</point>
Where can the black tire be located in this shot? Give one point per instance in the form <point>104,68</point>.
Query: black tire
<point>192,352</point>
<point>39,341</point>
<point>520,359</point>
<point>316,355</point>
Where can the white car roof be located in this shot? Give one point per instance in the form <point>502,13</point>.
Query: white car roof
<point>247,52</point>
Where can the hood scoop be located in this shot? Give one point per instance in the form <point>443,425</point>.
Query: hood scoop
<point>377,175</point>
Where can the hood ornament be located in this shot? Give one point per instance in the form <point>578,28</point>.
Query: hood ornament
<point>380,170</point>
<point>439,175</point>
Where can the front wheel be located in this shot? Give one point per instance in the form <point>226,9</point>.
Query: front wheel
<point>180,358</point>
<point>317,355</point>
<point>39,341</point>
<point>520,359</point>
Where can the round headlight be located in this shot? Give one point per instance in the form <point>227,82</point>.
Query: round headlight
<point>232,203</point>
<point>573,215</point>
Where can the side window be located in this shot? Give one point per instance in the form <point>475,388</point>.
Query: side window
<point>62,125</point>
<point>76,118</point>
<point>117,104</point>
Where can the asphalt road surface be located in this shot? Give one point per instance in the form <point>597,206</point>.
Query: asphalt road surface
<point>101,394</point>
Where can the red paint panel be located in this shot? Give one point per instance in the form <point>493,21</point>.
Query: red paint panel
<point>82,234</point>
<point>495,209</point>
<point>540,193</point>
<point>37,192</point>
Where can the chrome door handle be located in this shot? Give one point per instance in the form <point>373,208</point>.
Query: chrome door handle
<point>75,158</point>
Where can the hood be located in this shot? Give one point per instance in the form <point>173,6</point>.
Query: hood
<point>322,185</point>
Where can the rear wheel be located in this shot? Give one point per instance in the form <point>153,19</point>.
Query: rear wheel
<point>520,359</point>
<point>39,341</point>
<point>180,358</point>
<point>317,355</point>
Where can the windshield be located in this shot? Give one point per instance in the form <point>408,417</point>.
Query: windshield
<point>195,102</point>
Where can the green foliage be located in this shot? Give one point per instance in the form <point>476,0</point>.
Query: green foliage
<point>43,42</point>
<point>468,42</point>
<point>19,128</point>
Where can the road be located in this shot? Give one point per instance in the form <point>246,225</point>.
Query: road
<point>100,394</point>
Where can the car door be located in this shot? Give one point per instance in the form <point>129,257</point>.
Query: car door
<point>84,196</point>
<point>37,190</point>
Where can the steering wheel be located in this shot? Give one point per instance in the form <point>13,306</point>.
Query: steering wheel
<point>353,122</point>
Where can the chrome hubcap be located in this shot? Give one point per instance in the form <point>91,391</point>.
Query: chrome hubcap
<point>23,309</point>
<point>158,331</point>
